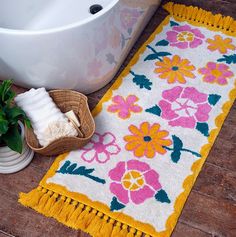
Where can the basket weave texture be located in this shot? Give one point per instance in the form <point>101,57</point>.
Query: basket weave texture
<point>66,100</point>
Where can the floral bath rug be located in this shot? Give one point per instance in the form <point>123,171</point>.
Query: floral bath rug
<point>155,128</point>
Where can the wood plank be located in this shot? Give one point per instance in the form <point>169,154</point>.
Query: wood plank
<point>24,222</point>
<point>210,215</point>
<point>187,230</point>
<point>217,182</point>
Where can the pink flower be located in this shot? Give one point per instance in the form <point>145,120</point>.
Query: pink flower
<point>184,37</point>
<point>123,106</point>
<point>100,148</point>
<point>184,106</point>
<point>216,73</point>
<point>134,181</point>
<point>94,68</point>
<point>129,17</point>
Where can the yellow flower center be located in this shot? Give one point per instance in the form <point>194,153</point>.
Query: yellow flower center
<point>185,36</point>
<point>133,180</point>
<point>216,73</point>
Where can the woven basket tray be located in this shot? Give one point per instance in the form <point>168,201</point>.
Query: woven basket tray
<point>66,100</point>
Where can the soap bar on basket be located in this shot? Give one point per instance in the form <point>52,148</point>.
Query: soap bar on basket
<point>48,122</point>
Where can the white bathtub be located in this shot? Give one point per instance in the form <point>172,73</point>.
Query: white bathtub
<point>60,44</point>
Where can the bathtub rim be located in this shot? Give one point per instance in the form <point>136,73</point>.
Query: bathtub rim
<point>87,20</point>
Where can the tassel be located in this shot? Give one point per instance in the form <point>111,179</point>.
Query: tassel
<point>124,231</point>
<point>80,222</point>
<point>95,225</point>
<point>106,229</point>
<point>51,202</point>
<point>90,218</point>
<point>32,198</point>
<point>43,200</point>
<point>75,215</point>
<point>116,230</point>
<point>56,209</point>
<point>65,210</point>
<point>131,232</point>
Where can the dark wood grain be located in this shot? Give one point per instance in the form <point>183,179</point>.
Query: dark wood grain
<point>211,207</point>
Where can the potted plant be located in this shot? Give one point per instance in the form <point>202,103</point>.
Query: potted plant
<point>14,152</point>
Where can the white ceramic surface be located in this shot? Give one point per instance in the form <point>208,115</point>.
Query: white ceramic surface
<point>11,161</point>
<point>60,44</point>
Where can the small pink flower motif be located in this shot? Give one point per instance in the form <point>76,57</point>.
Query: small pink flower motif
<point>134,181</point>
<point>94,68</point>
<point>216,73</point>
<point>184,37</point>
<point>124,106</point>
<point>129,17</point>
<point>184,107</point>
<point>100,148</point>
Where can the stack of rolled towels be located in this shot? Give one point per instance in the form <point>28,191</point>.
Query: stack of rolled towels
<point>48,122</point>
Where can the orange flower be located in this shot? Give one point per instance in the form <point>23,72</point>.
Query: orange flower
<point>220,44</point>
<point>147,140</point>
<point>175,69</point>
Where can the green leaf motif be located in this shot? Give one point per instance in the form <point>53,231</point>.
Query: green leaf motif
<point>116,205</point>
<point>154,110</point>
<point>162,54</point>
<point>162,43</point>
<point>161,196</point>
<point>228,59</point>
<point>203,128</point>
<point>175,156</point>
<point>213,99</point>
<point>13,139</point>
<point>142,81</point>
<point>173,23</point>
<point>72,169</point>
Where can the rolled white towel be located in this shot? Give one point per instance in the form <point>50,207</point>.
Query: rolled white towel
<point>48,122</point>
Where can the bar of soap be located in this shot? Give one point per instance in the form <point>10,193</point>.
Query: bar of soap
<point>72,117</point>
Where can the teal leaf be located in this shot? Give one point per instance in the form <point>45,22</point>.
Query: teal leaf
<point>154,110</point>
<point>203,128</point>
<point>72,169</point>
<point>162,54</point>
<point>177,143</point>
<point>142,81</point>
<point>228,59</point>
<point>161,196</point>
<point>162,43</point>
<point>173,23</point>
<point>175,156</point>
<point>116,205</point>
<point>153,56</point>
<point>213,99</point>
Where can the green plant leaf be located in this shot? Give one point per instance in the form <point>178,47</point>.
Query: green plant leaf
<point>213,99</point>
<point>3,123</point>
<point>203,128</point>
<point>13,138</point>
<point>5,92</point>
<point>116,205</point>
<point>162,43</point>
<point>162,196</point>
<point>154,110</point>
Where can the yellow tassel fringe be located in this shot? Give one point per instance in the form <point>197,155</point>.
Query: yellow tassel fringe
<point>195,16</point>
<point>75,214</point>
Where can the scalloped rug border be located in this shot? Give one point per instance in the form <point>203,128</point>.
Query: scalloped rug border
<point>98,223</point>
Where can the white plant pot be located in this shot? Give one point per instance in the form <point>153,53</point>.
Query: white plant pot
<point>11,161</point>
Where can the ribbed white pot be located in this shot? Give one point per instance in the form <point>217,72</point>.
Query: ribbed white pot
<point>11,161</point>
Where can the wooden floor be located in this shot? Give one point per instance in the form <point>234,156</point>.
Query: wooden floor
<point>211,206</point>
